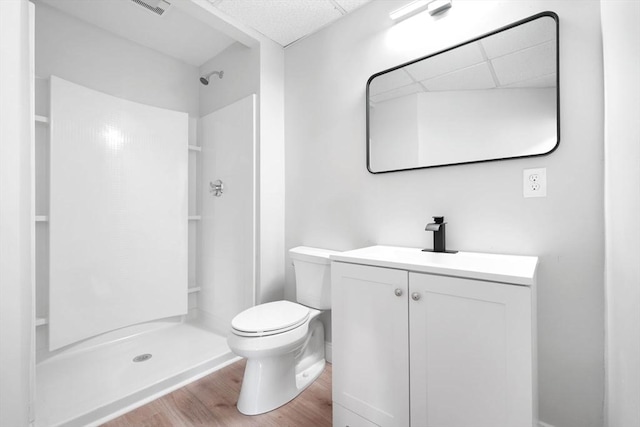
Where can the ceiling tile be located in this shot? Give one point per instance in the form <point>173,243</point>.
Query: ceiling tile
<point>521,37</point>
<point>351,5</point>
<point>471,78</point>
<point>397,93</point>
<point>446,62</point>
<point>526,64</point>
<point>283,21</point>
<point>388,81</point>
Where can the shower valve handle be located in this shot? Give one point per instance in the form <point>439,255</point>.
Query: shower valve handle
<point>216,188</point>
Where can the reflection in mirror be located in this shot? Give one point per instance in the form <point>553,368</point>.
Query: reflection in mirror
<point>494,97</point>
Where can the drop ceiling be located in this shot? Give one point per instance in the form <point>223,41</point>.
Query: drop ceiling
<point>285,21</point>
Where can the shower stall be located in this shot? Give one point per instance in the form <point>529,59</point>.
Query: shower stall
<point>145,204</point>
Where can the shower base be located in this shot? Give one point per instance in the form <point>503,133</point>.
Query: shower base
<point>96,383</point>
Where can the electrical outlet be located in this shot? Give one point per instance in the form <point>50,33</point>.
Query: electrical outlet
<point>534,182</point>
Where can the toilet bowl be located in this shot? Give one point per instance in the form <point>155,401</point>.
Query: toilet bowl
<point>283,341</point>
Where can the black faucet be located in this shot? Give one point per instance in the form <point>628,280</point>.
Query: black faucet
<point>439,240</point>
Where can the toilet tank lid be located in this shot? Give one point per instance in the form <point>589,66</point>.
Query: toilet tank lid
<point>305,253</point>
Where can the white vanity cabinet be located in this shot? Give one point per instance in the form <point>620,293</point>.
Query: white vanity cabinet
<point>370,343</point>
<point>433,340</point>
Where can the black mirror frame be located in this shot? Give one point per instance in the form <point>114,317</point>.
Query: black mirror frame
<point>550,14</point>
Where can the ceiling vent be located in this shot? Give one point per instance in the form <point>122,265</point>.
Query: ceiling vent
<point>156,6</point>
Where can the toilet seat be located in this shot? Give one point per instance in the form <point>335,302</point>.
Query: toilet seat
<point>270,319</point>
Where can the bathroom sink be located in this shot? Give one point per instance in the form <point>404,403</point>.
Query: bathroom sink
<point>514,269</point>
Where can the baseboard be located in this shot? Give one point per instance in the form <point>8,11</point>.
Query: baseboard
<point>328,353</point>
<point>542,424</point>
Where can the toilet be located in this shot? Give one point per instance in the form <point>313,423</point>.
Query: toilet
<point>283,341</point>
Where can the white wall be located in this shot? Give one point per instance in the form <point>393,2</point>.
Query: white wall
<point>269,184</point>
<point>333,202</point>
<point>16,226</point>
<point>422,129</point>
<point>496,124</point>
<point>621,32</point>
<point>258,69</point>
<point>89,56</point>
<point>241,66</point>
<point>394,136</point>
<point>271,174</point>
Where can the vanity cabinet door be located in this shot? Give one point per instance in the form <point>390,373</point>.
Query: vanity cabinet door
<point>470,353</point>
<point>371,342</point>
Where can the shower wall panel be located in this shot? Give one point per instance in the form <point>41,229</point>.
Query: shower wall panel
<point>227,269</point>
<point>118,213</point>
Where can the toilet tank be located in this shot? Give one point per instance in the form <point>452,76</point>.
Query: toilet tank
<point>313,276</point>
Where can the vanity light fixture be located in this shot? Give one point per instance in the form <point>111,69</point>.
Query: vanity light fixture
<point>433,6</point>
<point>436,7</point>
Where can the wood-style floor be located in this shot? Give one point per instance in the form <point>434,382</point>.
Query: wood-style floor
<point>211,401</point>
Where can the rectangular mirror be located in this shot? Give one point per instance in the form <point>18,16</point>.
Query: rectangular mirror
<point>492,98</point>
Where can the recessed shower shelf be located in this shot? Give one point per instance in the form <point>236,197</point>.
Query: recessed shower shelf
<point>41,119</point>
<point>195,217</point>
<point>193,289</point>
<point>195,148</point>
<point>41,321</point>
<point>41,218</point>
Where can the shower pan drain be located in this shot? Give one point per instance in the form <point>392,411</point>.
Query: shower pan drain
<point>142,357</point>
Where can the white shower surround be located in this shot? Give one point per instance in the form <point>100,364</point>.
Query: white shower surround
<point>71,394</point>
<point>183,349</point>
<point>118,210</point>
<point>87,55</point>
<point>227,229</point>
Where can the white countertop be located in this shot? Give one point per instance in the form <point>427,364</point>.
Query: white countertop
<point>515,269</point>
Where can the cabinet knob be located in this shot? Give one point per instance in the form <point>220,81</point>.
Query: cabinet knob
<point>415,296</point>
<point>398,292</point>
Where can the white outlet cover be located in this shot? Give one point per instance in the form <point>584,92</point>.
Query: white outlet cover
<point>534,182</point>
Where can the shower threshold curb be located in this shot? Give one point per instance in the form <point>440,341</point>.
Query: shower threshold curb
<point>141,397</point>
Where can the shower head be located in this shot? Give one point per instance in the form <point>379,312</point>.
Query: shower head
<point>205,79</point>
